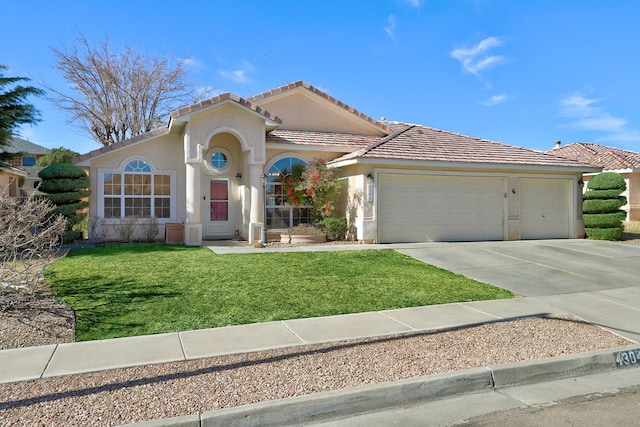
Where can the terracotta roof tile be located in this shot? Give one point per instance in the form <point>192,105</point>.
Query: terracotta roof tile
<point>423,143</point>
<point>220,98</point>
<point>608,158</point>
<point>297,137</point>
<point>301,83</point>
<point>105,149</point>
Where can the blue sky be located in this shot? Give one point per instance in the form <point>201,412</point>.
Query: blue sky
<point>526,73</point>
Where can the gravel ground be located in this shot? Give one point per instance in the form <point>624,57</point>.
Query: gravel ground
<point>175,389</point>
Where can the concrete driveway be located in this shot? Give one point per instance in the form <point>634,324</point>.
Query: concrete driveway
<point>594,280</point>
<point>537,267</point>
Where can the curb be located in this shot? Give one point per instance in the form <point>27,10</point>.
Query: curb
<point>344,403</point>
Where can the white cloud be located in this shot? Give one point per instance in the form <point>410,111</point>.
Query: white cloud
<point>494,100</point>
<point>192,63</point>
<point>588,115</point>
<point>414,3</point>
<point>476,59</point>
<point>391,27</point>
<point>239,75</point>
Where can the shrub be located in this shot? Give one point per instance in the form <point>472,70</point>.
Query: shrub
<point>604,220</point>
<point>67,187</point>
<point>601,206</point>
<point>29,240</point>
<point>607,181</point>
<point>604,233</point>
<point>316,185</point>
<point>336,228</point>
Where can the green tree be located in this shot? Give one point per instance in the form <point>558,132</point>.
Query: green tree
<point>67,186</point>
<point>57,156</point>
<point>14,109</point>
<point>601,207</point>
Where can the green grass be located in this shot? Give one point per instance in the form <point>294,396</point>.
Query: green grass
<point>137,289</point>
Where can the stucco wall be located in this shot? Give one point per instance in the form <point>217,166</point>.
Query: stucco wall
<point>319,115</point>
<point>165,154</point>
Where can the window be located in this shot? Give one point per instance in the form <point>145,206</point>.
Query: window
<point>28,161</point>
<point>279,213</point>
<point>136,192</point>
<point>219,160</point>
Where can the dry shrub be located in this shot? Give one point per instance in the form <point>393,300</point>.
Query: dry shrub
<point>30,238</point>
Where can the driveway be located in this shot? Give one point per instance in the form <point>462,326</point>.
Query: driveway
<point>537,267</point>
<point>594,280</point>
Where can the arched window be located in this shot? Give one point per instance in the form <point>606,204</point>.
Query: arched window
<point>136,191</point>
<point>279,213</point>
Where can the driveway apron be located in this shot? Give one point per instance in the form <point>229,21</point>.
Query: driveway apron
<point>537,268</point>
<point>595,280</point>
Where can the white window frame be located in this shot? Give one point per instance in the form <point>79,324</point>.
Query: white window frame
<point>120,170</point>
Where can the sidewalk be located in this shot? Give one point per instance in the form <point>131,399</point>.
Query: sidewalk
<point>73,358</point>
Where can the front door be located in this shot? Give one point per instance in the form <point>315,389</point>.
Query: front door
<point>218,218</point>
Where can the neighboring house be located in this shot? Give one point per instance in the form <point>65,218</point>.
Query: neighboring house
<point>611,159</point>
<point>10,177</point>
<point>406,183</point>
<point>29,155</point>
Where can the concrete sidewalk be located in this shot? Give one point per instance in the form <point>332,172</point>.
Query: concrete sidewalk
<point>89,356</point>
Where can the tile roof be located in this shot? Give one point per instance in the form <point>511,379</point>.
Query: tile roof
<point>297,137</point>
<point>423,143</point>
<point>608,158</point>
<point>313,89</point>
<point>220,98</point>
<point>19,145</point>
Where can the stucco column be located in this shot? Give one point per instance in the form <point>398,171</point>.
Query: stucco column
<point>257,202</point>
<point>193,224</point>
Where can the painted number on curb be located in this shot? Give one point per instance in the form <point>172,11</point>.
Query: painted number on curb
<point>627,358</point>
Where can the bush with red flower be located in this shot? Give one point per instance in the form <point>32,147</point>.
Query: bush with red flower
<point>316,185</point>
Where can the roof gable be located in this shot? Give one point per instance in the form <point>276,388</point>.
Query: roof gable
<point>305,107</point>
<point>216,100</point>
<point>608,158</point>
<point>19,145</point>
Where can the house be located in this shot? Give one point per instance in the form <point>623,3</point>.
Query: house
<point>10,177</point>
<point>610,159</point>
<point>406,183</point>
<point>29,153</point>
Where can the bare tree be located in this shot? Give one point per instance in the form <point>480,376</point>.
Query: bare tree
<point>29,240</point>
<point>115,96</point>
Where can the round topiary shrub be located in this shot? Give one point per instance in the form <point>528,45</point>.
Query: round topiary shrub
<point>601,206</point>
<point>67,186</point>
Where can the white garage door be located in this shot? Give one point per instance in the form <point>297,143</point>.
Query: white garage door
<point>420,208</point>
<point>545,208</point>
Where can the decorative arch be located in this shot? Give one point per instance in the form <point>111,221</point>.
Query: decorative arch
<point>280,214</point>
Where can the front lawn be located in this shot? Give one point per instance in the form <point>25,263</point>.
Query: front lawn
<point>137,289</point>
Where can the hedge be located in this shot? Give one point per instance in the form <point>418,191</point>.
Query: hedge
<point>68,197</point>
<point>604,233</point>
<point>64,185</point>
<point>61,170</point>
<point>604,220</point>
<point>598,206</point>
<point>607,181</point>
<point>601,194</point>
<point>336,228</point>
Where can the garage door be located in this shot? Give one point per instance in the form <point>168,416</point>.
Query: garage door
<point>545,208</point>
<point>419,208</point>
